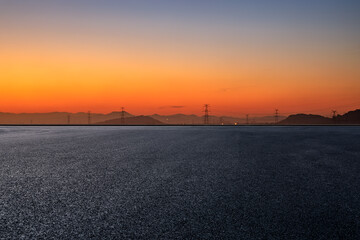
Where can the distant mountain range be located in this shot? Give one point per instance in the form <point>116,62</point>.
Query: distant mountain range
<point>352,117</point>
<point>306,119</point>
<point>114,118</point>
<point>137,120</point>
<point>96,118</point>
<point>216,120</point>
<point>57,117</point>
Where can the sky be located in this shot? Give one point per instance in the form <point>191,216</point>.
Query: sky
<point>166,56</point>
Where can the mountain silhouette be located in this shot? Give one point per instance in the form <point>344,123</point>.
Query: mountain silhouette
<point>226,120</point>
<point>352,117</point>
<point>306,119</point>
<point>137,120</point>
<point>57,117</point>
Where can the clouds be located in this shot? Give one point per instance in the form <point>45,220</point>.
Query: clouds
<point>173,107</point>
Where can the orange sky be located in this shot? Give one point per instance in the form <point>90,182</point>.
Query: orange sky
<point>81,67</point>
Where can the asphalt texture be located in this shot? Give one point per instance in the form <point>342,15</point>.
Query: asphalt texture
<point>180,182</point>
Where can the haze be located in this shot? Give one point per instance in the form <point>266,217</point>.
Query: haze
<point>167,57</point>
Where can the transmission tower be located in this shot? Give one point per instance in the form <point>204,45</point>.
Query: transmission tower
<point>68,119</point>
<point>122,119</point>
<point>334,115</point>
<point>206,116</point>
<point>89,117</point>
<point>276,116</point>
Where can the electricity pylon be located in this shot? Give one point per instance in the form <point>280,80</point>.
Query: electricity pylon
<point>206,116</point>
<point>276,116</point>
<point>334,115</point>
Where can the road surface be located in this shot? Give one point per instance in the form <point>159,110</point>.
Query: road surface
<point>180,182</point>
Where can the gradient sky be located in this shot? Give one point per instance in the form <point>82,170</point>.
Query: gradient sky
<point>163,56</point>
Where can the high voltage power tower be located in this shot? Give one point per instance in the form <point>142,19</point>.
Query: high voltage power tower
<point>206,116</point>
<point>276,116</point>
<point>122,119</point>
<point>68,119</point>
<point>334,113</point>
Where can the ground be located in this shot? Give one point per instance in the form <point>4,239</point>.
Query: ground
<point>180,182</point>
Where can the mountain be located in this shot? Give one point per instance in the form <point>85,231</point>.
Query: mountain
<point>82,118</point>
<point>306,119</point>
<point>57,117</point>
<point>265,119</point>
<point>137,120</point>
<point>352,117</point>
<point>226,120</point>
<point>178,119</point>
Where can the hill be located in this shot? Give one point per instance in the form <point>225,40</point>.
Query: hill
<point>137,120</point>
<point>306,119</point>
<point>226,120</point>
<point>57,117</point>
<point>352,117</point>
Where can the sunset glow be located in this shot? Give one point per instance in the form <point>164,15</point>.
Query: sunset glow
<point>237,56</point>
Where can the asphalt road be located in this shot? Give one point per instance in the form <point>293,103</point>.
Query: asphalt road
<point>180,182</point>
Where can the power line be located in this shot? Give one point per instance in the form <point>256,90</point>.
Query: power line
<point>354,104</point>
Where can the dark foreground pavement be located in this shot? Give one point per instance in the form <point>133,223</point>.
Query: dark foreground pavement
<point>180,182</point>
